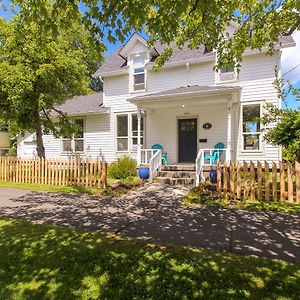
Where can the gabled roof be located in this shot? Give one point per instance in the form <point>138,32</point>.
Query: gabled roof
<point>80,105</point>
<point>117,63</point>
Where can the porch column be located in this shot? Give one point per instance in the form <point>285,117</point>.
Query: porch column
<point>229,129</point>
<point>139,146</point>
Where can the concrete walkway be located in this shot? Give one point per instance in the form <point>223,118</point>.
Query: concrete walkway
<point>154,212</point>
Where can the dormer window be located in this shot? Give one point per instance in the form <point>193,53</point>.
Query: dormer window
<point>139,76</point>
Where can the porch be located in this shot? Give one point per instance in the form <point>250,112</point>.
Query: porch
<point>194,125</point>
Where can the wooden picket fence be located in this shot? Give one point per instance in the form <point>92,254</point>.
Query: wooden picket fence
<point>262,182</point>
<point>74,171</point>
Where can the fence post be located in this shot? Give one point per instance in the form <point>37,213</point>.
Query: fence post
<point>267,181</point>
<point>282,182</point>
<point>238,181</point>
<point>225,183</point>
<point>231,178</point>
<point>274,181</point>
<point>246,187</point>
<point>259,181</point>
<point>219,178</point>
<point>297,168</point>
<point>290,182</point>
<point>252,180</point>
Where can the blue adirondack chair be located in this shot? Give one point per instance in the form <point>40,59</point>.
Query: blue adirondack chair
<point>215,154</point>
<point>164,154</point>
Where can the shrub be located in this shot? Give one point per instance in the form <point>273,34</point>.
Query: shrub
<point>123,168</point>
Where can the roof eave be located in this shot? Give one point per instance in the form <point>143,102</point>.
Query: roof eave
<point>146,98</point>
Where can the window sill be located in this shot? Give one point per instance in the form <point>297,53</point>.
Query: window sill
<point>226,81</point>
<point>139,91</point>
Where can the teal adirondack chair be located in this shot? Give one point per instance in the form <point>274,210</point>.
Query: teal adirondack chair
<point>215,154</point>
<point>164,154</point>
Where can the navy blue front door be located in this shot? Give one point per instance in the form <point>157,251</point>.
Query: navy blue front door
<point>187,146</point>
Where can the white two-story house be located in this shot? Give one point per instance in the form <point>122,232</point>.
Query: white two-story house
<point>185,107</point>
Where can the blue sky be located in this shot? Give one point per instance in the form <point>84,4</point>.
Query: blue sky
<point>289,60</point>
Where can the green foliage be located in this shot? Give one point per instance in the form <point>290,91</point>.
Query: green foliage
<point>123,168</point>
<point>260,23</point>
<point>286,132</point>
<point>206,195</point>
<point>40,70</point>
<point>48,262</point>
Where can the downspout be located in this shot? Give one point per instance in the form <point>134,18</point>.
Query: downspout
<point>188,73</point>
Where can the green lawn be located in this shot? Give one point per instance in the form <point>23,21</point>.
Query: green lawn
<point>115,188</point>
<point>47,262</point>
<point>205,197</point>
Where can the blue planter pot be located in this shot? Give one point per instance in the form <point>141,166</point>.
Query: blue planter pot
<point>144,173</point>
<point>213,176</point>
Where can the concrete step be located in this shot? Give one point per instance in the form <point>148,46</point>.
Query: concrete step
<point>177,174</point>
<point>175,181</point>
<point>180,167</point>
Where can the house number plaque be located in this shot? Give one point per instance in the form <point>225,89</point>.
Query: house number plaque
<point>207,126</point>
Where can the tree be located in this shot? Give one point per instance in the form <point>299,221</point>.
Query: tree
<point>40,70</point>
<point>286,132</point>
<point>259,22</point>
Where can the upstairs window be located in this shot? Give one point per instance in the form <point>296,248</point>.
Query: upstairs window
<point>227,73</point>
<point>139,73</point>
<point>251,127</point>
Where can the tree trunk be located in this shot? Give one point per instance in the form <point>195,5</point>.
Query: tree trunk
<point>39,135</point>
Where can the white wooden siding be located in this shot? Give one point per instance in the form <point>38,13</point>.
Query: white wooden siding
<point>162,127</point>
<point>256,79</point>
<point>98,140</point>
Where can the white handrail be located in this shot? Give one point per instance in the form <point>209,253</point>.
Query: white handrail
<point>146,155</point>
<point>208,152</point>
<point>199,167</point>
<point>155,164</point>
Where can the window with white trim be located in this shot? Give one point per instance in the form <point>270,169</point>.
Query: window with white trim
<point>127,132</point>
<point>134,130</point>
<point>122,132</point>
<point>227,73</point>
<point>139,75</point>
<point>76,143</point>
<point>251,129</point>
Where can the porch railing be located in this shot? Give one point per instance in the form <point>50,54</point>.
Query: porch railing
<point>152,158</point>
<point>212,155</point>
<point>155,164</point>
<point>146,155</point>
<point>199,166</point>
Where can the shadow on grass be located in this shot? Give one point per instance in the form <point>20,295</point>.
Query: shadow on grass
<point>46,262</point>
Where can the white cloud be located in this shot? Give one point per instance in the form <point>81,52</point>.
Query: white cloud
<point>291,58</point>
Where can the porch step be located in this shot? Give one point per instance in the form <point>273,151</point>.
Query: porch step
<point>177,174</point>
<point>180,167</point>
<point>175,181</point>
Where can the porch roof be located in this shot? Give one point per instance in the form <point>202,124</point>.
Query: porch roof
<point>193,90</point>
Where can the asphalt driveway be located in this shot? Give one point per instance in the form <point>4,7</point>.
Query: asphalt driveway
<point>154,212</point>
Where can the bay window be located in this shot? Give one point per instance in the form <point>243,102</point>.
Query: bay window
<point>251,129</point>
<point>127,132</point>
<point>76,142</point>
